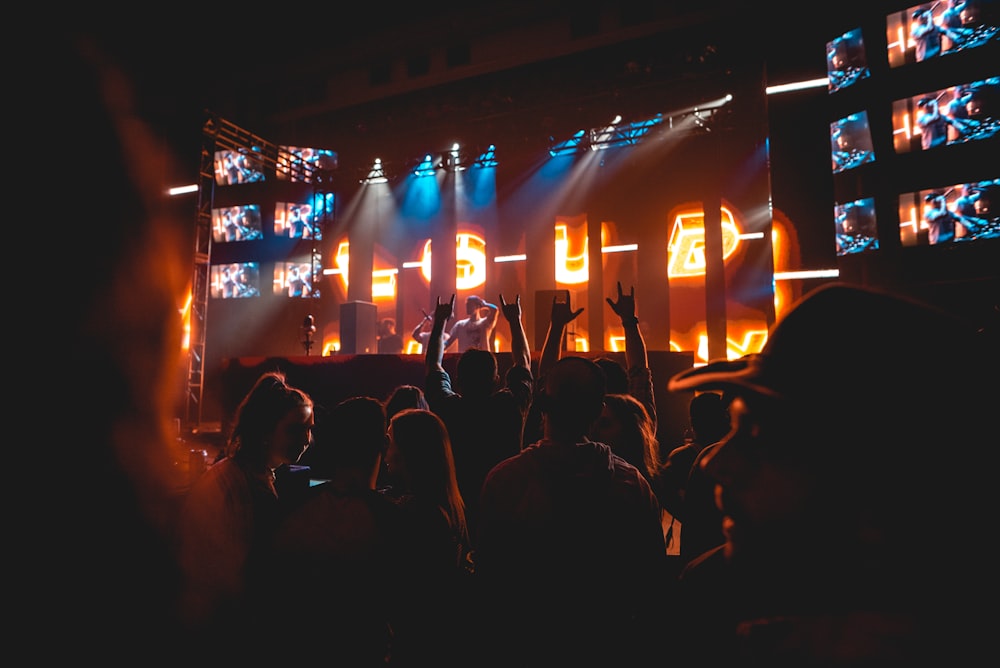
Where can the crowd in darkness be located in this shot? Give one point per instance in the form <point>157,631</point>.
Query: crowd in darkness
<point>523,520</point>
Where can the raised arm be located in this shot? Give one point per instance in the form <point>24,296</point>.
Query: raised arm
<point>435,343</point>
<point>561,315</point>
<point>636,359</point>
<point>420,325</point>
<point>635,346</point>
<point>518,338</point>
<point>492,310</point>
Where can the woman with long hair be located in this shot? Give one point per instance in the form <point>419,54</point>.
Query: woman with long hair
<point>420,462</point>
<point>231,509</point>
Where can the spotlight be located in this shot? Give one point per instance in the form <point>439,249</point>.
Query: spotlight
<point>487,158</point>
<point>426,167</point>
<point>376,174</point>
<point>453,160</point>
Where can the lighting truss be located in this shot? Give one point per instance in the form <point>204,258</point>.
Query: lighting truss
<point>622,135</point>
<point>574,144</point>
<point>630,134</point>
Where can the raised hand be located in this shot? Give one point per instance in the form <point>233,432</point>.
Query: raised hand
<point>562,314</point>
<point>625,306</point>
<point>442,312</point>
<point>512,312</point>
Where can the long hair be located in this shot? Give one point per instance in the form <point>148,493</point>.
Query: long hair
<point>404,396</point>
<point>258,415</point>
<point>639,445</point>
<point>422,439</point>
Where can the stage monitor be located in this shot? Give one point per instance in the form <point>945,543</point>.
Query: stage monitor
<point>297,279</point>
<point>955,115</point>
<point>930,30</point>
<point>856,228</point>
<point>237,167</point>
<point>234,280</point>
<point>302,164</point>
<point>236,223</point>
<point>961,213</point>
<point>846,61</point>
<point>303,220</point>
<point>851,142</point>
<point>294,220</point>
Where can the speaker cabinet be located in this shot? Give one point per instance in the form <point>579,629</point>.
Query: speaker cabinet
<point>358,328</point>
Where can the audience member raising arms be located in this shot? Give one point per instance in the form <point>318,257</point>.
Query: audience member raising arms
<point>233,507</point>
<point>484,421</point>
<point>328,590</point>
<point>836,522</point>
<point>570,553</point>
<point>640,380</point>
<point>420,464</point>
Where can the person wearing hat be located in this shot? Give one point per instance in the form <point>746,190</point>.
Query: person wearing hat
<point>844,522</point>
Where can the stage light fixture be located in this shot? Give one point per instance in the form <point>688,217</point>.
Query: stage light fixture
<point>427,166</point>
<point>487,158</point>
<point>376,174</point>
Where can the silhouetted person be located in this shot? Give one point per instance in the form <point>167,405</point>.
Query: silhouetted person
<point>389,342</point>
<point>328,591</point>
<point>708,421</point>
<point>850,539</point>
<point>438,553</point>
<point>484,419</point>
<point>634,378</point>
<point>570,551</point>
<point>231,510</point>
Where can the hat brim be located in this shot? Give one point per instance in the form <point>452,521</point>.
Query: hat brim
<point>746,373</point>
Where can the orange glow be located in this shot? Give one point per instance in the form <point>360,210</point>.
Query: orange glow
<point>343,259</point>
<point>470,261</point>
<point>384,283</point>
<point>412,347</point>
<point>911,222</point>
<point>185,312</point>
<point>686,246</point>
<point>784,243</point>
<point>752,341</point>
<point>571,254</point>
<point>331,345</point>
